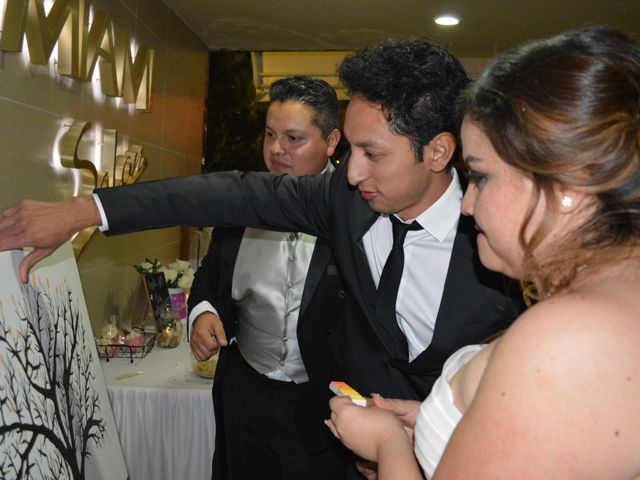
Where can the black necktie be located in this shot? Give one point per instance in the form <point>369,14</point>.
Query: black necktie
<point>388,286</point>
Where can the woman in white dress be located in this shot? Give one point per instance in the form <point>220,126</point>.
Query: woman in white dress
<point>551,136</point>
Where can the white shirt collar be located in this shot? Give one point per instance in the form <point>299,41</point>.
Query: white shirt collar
<point>441,216</point>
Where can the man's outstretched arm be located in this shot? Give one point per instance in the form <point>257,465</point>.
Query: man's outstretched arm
<point>44,226</point>
<point>221,199</point>
<point>260,200</point>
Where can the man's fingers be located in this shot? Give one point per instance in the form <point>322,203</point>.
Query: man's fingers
<point>203,346</point>
<point>46,225</point>
<point>199,354</point>
<point>9,211</point>
<point>9,234</point>
<point>30,260</point>
<point>202,352</point>
<point>220,335</point>
<point>208,336</point>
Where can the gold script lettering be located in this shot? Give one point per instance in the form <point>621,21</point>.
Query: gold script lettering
<point>80,46</point>
<point>129,167</point>
<point>126,168</point>
<point>69,145</point>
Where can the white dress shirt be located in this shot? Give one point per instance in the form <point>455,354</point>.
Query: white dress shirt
<point>427,254</point>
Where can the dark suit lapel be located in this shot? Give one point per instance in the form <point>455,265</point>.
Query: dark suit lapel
<point>361,217</point>
<point>454,307</point>
<point>319,261</point>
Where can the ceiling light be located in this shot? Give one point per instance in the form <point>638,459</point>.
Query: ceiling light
<point>447,20</point>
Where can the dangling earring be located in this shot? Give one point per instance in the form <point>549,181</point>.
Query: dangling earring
<point>567,201</point>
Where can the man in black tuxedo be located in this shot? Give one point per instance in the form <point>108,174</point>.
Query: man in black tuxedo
<point>402,128</point>
<point>276,294</point>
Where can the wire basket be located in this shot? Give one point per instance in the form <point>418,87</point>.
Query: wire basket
<point>120,350</point>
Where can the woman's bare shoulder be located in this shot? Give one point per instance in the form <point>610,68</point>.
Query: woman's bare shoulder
<point>585,333</point>
<point>580,321</point>
<point>560,391</point>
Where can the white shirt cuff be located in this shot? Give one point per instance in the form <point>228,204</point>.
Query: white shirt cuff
<point>197,310</point>
<point>103,216</point>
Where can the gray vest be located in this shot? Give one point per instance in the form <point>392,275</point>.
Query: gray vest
<point>268,282</point>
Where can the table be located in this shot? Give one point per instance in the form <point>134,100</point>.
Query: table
<point>164,416</point>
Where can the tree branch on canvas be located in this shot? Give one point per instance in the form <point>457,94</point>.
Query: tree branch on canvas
<point>47,394</point>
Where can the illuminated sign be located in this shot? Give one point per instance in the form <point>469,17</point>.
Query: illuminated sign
<point>79,141</point>
<point>123,169</point>
<point>83,43</point>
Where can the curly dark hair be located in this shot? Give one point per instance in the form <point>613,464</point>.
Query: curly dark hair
<point>312,92</point>
<point>566,111</point>
<point>416,84</point>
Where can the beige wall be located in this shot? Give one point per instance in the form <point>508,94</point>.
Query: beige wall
<point>35,104</point>
<point>271,66</point>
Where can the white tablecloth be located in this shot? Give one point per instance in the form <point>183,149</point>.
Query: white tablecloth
<point>164,416</point>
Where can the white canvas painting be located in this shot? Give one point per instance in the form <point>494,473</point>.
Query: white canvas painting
<point>55,416</point>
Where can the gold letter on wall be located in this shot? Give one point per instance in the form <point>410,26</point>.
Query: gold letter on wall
<point>134,76</point>
<point>27,17</point>
<point>100,44</point>
<point>69,144</point>
<point>80,46</point>
<point>127,168</point>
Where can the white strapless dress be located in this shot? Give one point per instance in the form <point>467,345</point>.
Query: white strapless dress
<point>438,415</point>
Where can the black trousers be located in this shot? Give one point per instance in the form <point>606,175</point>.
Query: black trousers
<point>261,439</point>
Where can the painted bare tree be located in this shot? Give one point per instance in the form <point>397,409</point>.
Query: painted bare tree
<point>50,417</point>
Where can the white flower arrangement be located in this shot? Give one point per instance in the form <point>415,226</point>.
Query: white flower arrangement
<point>178,274</point>
<point>148,266</point>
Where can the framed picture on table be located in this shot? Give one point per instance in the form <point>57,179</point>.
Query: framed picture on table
<point>150,295</point>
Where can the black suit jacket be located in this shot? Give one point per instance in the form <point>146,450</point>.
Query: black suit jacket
<point>322,300</point>
<point>475,303</point>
